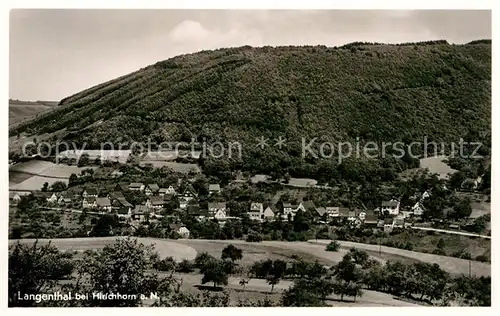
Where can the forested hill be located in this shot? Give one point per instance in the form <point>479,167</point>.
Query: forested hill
<point>373,91</point>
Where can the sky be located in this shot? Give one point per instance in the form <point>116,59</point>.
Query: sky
<point>56,53</point>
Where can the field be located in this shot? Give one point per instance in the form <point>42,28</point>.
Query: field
<point>312,250</point>
<point>34,183</point>
<point>436,165</point>
<point>165,248</point>
<point>255,289</point>
<point>112,155</point>
<point>315,250</point>
<point>176,166</point>
<point>31,175</point>
<point>23,110</point>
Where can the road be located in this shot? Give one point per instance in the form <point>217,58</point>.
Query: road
<point>451,232</point>
<point>450,264</point>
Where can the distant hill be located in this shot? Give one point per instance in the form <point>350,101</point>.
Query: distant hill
<point>20,111</point>
<point>368,91</point>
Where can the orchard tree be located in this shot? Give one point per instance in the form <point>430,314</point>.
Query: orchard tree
<point>35,269</point>
<point>202,258</point>
<point>122,268</point>
<point>348,278</point>
<point>214,271</point>
<point>232,253</point>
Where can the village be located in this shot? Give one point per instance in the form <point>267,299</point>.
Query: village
<point>173,202</point>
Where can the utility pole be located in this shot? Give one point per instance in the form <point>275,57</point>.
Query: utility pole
<point>379,246</point>
<point>469,268</point>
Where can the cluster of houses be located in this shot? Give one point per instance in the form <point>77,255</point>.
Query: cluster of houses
<point>158,198</point>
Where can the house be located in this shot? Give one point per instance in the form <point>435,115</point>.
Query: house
<point>155,202</point>
<point>301,182</point>
<point>391,207</point>
<point>320,211</point>
<point>388,225</point>
<point>220,215</point>
<point>116,174</point>
<point>197,212</point>
<point>213,208</point>
<point>116,195</point>
<point>183,232</point>
<point>104,204</point>
<point>344,212</point>
<point>65,199</point>
<point>332,212</point>
<point>256,211</point>
<point>352,216</point>
<point>309,205</point>
<point>136,186</point>
<point>362,215</point>
<point>167,198</point>
<point>53,198</point>
<point>170,190</point>
<point>471,184</point>
<point>328,213</point>
<point>398,222</point>
<point>14,197</point>
<point>89,202</point>
<point>124,213</point>
<point>78,191</point>
<point>213,188</point>
<point>121,187</point>
<point>425,195</point>
<point>269,213</point>
<point>179,229</point>
<point>76,201</point>
<point>291,209</point>
<point>418,209</point>
<point>120,203</point>
<point>140,213</point>
<point>259,178</point>
<point>370,220</point>
<point>188,194</point>
<point>152,189</point>
<point>90,192</point>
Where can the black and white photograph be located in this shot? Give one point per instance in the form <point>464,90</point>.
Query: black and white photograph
<point>249,158</point>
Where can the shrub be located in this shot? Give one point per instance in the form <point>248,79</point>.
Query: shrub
<point>441,243</point>
<point>462,254</point>
<point>408,246</point>
<point>333,246</point>
<point>167,264</point>
<point>185,266</point>
<point>254,237</point>
<point>482,258</point>
<point>438,251</point>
